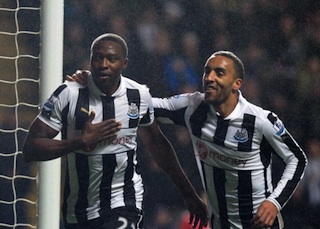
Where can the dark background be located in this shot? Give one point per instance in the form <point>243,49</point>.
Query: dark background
<point>169,42</point>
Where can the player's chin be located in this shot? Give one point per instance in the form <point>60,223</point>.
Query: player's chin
<point>209,98</point>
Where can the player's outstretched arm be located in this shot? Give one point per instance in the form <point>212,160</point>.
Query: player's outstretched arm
<point>165,156</point>
<point>40,145</point>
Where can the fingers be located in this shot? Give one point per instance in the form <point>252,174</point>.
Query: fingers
<point>109,129</point>
<point>69,78</point>
<point>191,218</point>
<point>198,213</point>
<point>86,73</point>
<point>92,114</point>
<point>81,76</point>
<point>261,223</point>
<point>96,132</point>
<point>265,216</point>
<point>197,221</point>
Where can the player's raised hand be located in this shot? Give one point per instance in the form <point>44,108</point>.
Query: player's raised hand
<point>80,76</point>
<point>198,212</point>
<point>95,133</point>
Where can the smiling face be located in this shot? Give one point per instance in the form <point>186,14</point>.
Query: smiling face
<point>107,63</point>
<point>220,82</point>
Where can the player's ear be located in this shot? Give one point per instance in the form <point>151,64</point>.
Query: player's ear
<point>237,84</point>
<point>125,63</point>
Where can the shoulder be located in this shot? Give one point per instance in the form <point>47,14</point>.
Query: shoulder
<point>66,92</point>
<point>188,98</point>
<point>178,101</point>
<point>73,85</point>
<point>266,119</point>
<point>252,109</point>
<point>67,87</point>
<point>256,110</point>
<point>132,84</point>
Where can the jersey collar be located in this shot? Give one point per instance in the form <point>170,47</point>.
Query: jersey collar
<point>96,92</point>
<point>239,107</point>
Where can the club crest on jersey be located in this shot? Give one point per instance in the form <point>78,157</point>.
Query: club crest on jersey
<point>133,111</point>
<point>47,108</point>
<point>241,135</point>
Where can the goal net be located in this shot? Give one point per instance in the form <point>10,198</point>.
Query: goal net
<point>19,101</point>
<point>20,92</point>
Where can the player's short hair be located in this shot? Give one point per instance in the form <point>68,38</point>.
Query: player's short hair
<point>238,65</point>
<point>112,37</point>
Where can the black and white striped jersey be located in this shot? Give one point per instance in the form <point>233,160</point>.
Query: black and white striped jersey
<point>108,176</point>
<point>234,155</point>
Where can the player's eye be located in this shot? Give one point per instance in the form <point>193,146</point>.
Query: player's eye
<point>207,71</point>
<point>112,58</point>
<point>96,58</point>
<point>220,72</point>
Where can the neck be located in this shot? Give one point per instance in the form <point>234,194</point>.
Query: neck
<point>227,106</point>
<point>110,89</point>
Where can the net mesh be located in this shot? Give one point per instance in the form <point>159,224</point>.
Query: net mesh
<point>19,102</point>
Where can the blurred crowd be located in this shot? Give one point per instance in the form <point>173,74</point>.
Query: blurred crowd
<point>169,42</point>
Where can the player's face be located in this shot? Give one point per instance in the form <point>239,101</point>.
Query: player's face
<point>107,63</point>
<point>219,81</point>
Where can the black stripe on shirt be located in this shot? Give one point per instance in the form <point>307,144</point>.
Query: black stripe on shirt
<point>146,118</point>
<point>221,131</point>
<point>109,164</point>
<point>266,151</point>
<point>198,118</point>
<point>108,107</point>
<point>291,184</point>
<point>59,90</point>
<point>129,192</point>
<point>176,116</point>
<point>299,154</point>
<point>82,168</point>
<point>83,102</point>
<point>219,184</point>
<point>248,125</point>
<point>133,96</point>
<point>64,118</point>
<point>245,197</point>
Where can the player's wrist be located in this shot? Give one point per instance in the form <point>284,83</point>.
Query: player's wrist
<point>274,202</point>
<point>188,192</point>
<point>78,143</point>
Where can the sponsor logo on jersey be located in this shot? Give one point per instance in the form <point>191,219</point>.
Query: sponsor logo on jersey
<point>133,111</point>
<point>121,141</point>
<point>204,153</point>
<point>117,141</point>
<point>125,140</point>
<point>202,150</point>
<point>241,135</point>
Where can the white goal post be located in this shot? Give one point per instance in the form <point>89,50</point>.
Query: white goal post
<point>51,70</point>
<point>31,62</point>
